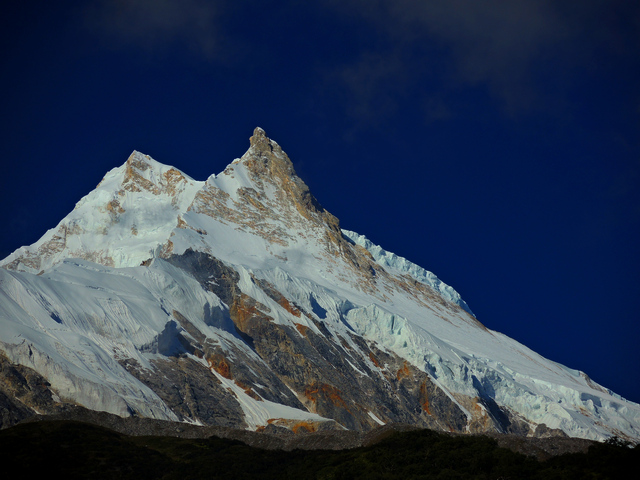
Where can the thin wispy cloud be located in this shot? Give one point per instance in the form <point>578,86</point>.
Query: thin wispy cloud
<point>374,81</point>
<point>515,49</point>
<point>155,24</point>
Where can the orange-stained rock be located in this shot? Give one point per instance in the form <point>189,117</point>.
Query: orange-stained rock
<point>309,427</point>
<point>284,303</point>
<point>312,392</point>
<point>375,361</point>
<point>301,328</point>
<point>218,363</point>
<point>424,398</point>
<point>248,390</point>
<point>296,426</point>
<point>403,372</point>
<point>244,308</point>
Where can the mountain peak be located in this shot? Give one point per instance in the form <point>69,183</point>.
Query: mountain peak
<point>260,141</point>
<point>243,292</point>
<point>121,223</point>
<point>258,133</point>
<point>263,146</point>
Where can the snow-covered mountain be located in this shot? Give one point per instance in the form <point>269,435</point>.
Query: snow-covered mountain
<point>239,301</point>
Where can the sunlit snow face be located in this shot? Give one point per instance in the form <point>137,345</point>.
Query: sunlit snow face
<point>108,292</point>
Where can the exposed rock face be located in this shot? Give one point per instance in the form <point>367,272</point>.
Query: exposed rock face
<point>239,302</point>
<point>328,376</point>
<point>191,391</point>
<point>24,393</point>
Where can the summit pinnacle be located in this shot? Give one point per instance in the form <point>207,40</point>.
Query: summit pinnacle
<point>260,141</point>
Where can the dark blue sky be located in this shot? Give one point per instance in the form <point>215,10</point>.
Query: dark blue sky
<point>495,143</point>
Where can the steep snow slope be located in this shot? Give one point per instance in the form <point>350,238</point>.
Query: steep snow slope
<point>83,317</point>
<point>121,223</point>
<point>392,261</point>
<point>159,293</point>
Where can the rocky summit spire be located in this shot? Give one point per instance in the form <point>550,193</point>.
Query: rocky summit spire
<point>265,158</point>
<point>263,147</point>
<point>259,141</point>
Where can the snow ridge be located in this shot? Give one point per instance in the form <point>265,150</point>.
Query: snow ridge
<point>401,264</point>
